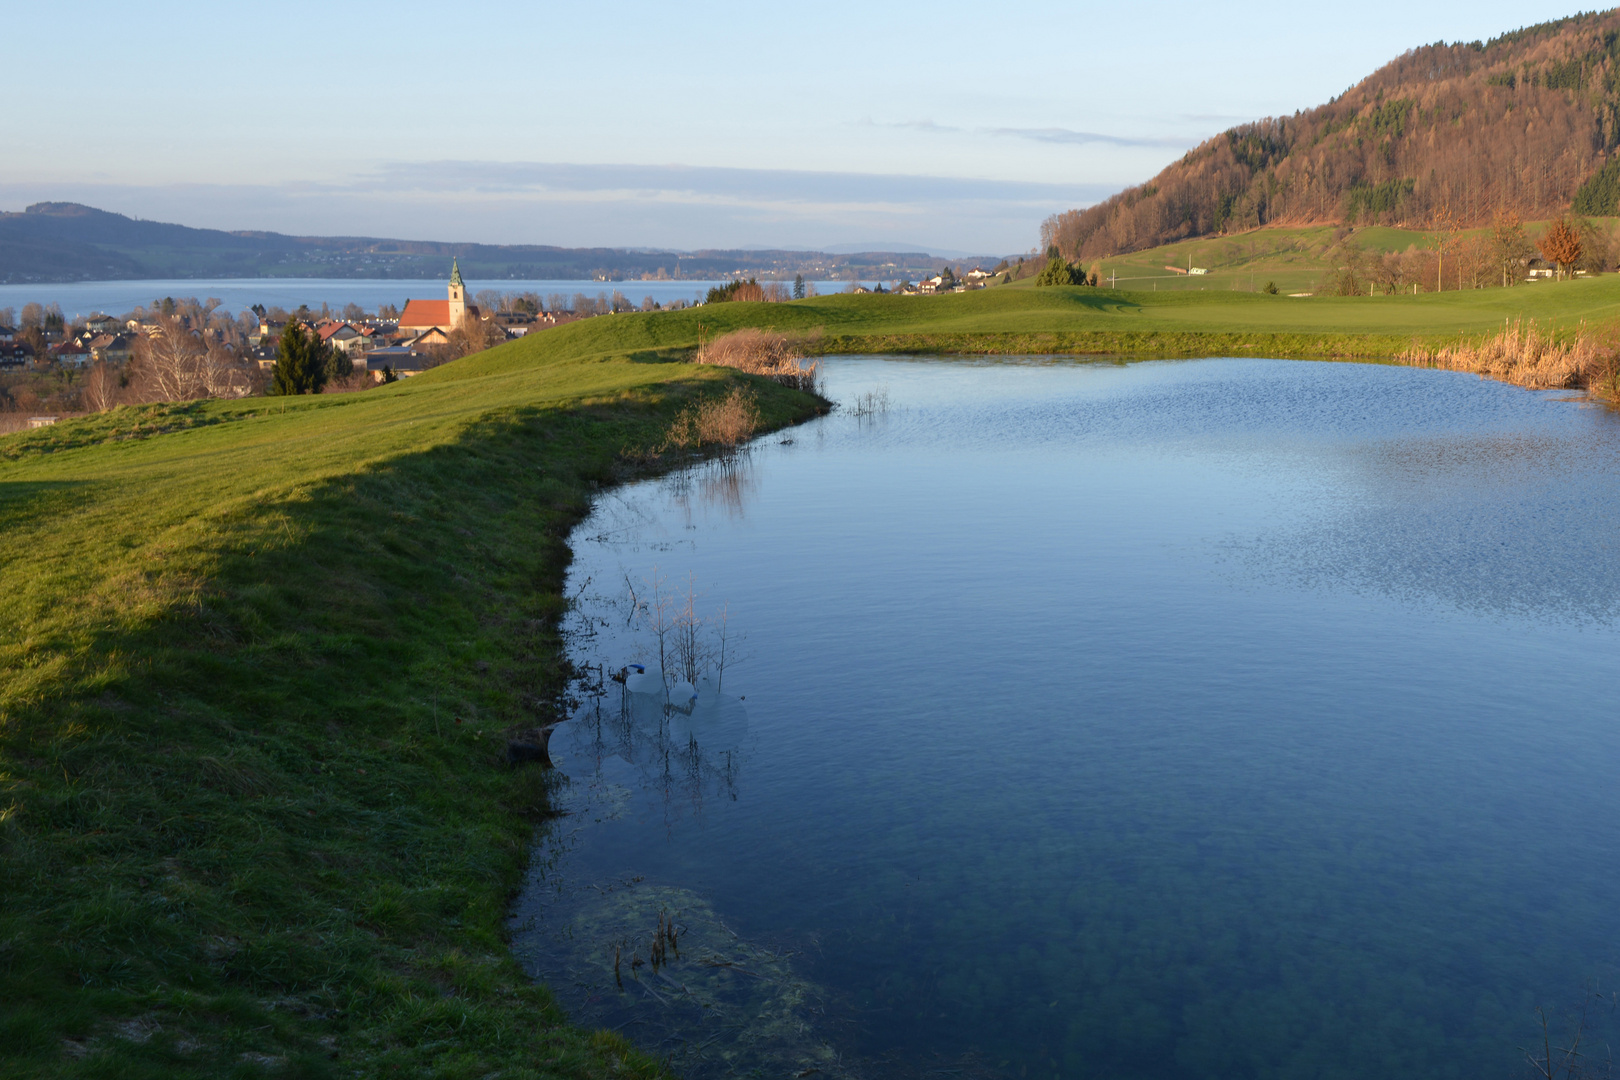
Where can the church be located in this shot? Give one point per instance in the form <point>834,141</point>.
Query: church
<point>422,318</point>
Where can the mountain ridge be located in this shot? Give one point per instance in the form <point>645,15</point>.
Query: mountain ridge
<point>66,241</point>
<point>1447,134</point>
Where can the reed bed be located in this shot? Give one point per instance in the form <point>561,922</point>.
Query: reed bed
<point>777,357</point>
<point>1525,355</point>
<point>729,422</point>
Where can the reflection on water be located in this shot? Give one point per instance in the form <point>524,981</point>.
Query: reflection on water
<point>1184,719</point>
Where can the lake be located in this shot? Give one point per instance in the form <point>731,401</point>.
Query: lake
<point>84,298</point>
<point>1213,718</point>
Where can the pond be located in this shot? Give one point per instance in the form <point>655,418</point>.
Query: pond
<point>1176,719</point>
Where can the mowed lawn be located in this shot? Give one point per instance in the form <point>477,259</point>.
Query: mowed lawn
<point>1024,318</point>
<point>257,659</point>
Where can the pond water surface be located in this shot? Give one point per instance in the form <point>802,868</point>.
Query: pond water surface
<point>1218,718</point>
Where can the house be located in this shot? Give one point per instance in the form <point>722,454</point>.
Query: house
<point>8,334</point>
<point>515,323</point>
<point>431,336</point>
<point>267,333</point>
<point>70,354</point>
<point>14,357</point>
<point>110,348</point>
<point>978,273</point>
<point>41,421</point>
<point>103,324</point>
<point>401,361</point>
<point>421,316</point>
<point>341,336</point>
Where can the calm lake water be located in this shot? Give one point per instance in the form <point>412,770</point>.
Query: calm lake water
<point>84,298</point>
<point>1217,718</point>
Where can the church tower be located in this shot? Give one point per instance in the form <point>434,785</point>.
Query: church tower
<point>458,295</point>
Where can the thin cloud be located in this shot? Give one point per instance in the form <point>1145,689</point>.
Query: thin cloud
<point>1065,136</point>
<point>685,183</point>
<point>1080,138</point>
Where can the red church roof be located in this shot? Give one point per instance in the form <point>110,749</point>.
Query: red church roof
<point>420,314</point>
<point>425,313</point>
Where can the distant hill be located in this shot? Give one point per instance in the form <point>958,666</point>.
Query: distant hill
<point>1527,122</point>
<point>57,241</point>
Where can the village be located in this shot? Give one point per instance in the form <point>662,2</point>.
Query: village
<point>405,342</point>
<point>176,349</point>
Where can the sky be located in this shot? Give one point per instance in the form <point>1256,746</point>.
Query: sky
<point>947,127</point>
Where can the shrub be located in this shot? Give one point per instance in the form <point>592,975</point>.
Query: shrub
<point>759,352</point>
<point>729,421</point>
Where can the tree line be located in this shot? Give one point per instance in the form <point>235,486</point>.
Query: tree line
<point>1525,124</point>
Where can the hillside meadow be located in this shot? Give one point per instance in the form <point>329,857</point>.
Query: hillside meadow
<point>258,660</point>
<point>1296,259</point>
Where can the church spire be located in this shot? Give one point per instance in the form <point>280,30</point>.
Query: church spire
<point>458,295</point>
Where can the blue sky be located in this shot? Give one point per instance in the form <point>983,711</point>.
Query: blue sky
<point>946,126</point>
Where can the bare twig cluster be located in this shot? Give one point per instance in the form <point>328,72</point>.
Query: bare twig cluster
<point>761,352</point>
<point>1570,1057</point>
<point>1522,354</point>
<point>728,422</point>
<point>874,402</point>
<point>690,645</point>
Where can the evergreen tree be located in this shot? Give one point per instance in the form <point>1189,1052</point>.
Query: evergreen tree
<point>1600,195</point>
<point>798,286</point>
<point>337,363</point>
<point>1059,272</point>
<point>302,364</point>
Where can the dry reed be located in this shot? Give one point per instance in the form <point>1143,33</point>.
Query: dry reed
<point>729,421</point>
<point>759,352</point>
<point>1524,355</point>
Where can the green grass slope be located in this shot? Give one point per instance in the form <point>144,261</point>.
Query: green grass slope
<point>1296,258</point>
<point>1022,318</point>
<point>256,658</point>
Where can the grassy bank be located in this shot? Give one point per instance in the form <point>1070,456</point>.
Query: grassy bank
<point>258,657</point>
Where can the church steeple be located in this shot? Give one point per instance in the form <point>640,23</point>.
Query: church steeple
<point>458,295</point>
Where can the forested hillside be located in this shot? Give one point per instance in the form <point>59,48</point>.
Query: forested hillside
<point>1447,134</point>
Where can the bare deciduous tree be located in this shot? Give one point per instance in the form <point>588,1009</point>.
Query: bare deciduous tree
<point>167,363</point>
<point>100,387</point>
<point>221,373</point>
